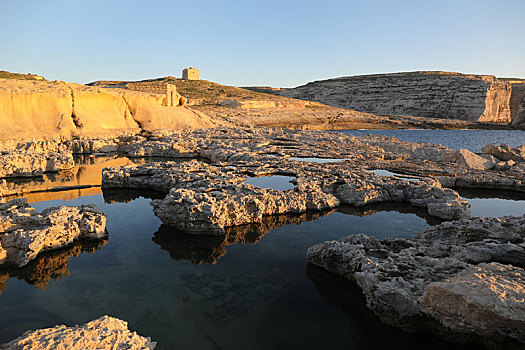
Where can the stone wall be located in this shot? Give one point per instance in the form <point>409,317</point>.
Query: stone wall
<point>424,94</point>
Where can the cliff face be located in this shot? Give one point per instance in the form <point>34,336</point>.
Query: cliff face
<point>31,109</point>
<point>517,103</point>
<point>423,94</point>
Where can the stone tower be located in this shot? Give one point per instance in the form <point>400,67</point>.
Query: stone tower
<point>190,74</point>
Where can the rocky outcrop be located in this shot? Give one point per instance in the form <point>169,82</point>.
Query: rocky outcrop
<point>23,164</point>
<point>462,277</point>
<point>104,333</point>
<point>505,152</point>
<point>32,109</point>
<point>206,199</point>
<point>425,94</point>
<point>24,233</point>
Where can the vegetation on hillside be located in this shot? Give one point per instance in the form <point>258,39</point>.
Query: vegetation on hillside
<point>204,91</point>
<point>8,75</point>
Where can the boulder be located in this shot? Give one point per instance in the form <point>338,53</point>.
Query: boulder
<point>469,160</point>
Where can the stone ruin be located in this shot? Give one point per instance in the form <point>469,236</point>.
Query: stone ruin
<point>191,73</point>
<point>173,98</point>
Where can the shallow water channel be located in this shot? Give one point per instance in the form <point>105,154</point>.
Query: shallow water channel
<point>251,288</point>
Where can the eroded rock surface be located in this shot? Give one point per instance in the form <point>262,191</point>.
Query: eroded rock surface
<point>24,233</point>
<point>425,94</point>
<point>104,333</point>
<point>461,277</point>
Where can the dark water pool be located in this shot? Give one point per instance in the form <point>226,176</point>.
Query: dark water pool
<point>472,140</point>
<point>249,289</point>
<point>276,182</point>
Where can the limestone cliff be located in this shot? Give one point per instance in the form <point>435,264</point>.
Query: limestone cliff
<point>481,98</point>
<point>31,109</point>
<point>517,102</point>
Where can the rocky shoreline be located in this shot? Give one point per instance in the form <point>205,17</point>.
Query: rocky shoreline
<point>459,280</point>
<point>407,281</point>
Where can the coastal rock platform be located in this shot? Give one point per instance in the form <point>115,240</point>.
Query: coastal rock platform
<point>461,277</point>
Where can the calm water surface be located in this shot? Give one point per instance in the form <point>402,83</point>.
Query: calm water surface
<point>472,140</point>
<point>251,289</point>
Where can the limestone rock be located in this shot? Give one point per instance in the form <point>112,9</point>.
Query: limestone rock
<point>211,212</point>
<point>449,280</point>
<point>485,298</point>
<point>18,164</point>
<point>24,233</point>
<point>469,160</point>
<point>424,94</point>
<point>104,333</point>
<point>505,152</point>
<point>32,109</point>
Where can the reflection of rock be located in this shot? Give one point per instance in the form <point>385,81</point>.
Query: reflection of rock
<point>403,208</point>
<point>128,195</point>
<point>209,249</point>
<point>406,282</point>
<point>49,265</point>
<point>26,233</point>
<point>104,333</point>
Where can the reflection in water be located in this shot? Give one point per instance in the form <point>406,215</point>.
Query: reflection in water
<point>384,172</point>
<point>275,182</point>
<point>200,249</point>
<point>49,265</point>
<point>86,173</point>
<point>348,296</point>
<point>117,195</point>
<point>490,203</point>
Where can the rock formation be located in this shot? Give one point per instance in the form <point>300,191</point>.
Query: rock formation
<point>24,233</point>
<point>104,333</point>
<point>424,94</point>
<point>463,277</point>
<point>32,109</point>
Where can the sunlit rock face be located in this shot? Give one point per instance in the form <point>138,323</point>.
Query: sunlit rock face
<point>24,233</point>
<point>32,109</point>
<point>461,277</point>
<point>104,333</point>
<point>424,94</point>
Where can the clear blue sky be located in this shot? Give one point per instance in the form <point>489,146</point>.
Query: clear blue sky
<point>277,43</point>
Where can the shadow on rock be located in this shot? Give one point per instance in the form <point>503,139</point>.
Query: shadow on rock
<point>373,333</point>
